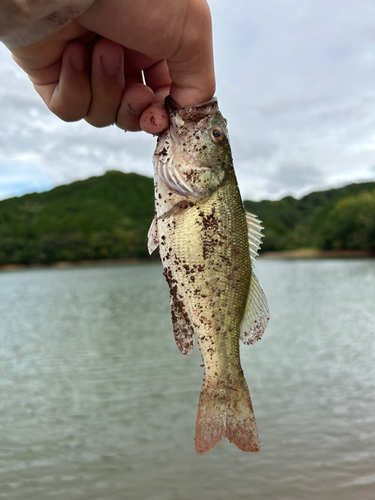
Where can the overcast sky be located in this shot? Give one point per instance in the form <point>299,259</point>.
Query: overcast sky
<point>295,79</point>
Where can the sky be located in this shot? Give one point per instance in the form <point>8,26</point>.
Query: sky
<point>295,79</point>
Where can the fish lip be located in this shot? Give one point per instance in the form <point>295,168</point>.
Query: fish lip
<point>172,105</point>
<point>190,113</point>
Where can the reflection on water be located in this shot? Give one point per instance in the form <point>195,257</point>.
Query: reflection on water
<point>98,403</point>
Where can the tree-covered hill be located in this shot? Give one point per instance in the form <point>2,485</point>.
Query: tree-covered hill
<point>108,217</point>
<point>103,217</point>
<point>339,219</point>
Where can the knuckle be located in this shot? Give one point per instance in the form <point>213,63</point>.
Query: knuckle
<point>66,115</point>
<point>129,123</point>
<point>97,121</point>
<point>131,127</point>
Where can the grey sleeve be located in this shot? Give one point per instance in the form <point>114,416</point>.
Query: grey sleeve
<point>23,22</point>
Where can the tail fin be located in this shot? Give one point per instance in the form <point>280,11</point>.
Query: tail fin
<point>225,411</point>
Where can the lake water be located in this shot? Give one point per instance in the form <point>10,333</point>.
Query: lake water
<point>96,401</point>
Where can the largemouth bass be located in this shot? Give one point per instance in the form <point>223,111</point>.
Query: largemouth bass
<point>207,245</point>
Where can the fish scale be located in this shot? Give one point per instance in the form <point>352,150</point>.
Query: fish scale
<point>215,282</point>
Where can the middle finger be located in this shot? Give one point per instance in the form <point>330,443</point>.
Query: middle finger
<point>107,83</point>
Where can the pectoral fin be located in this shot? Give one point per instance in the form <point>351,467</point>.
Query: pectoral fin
<point>153,236</point>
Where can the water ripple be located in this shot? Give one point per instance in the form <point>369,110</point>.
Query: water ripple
<point>97,402</point>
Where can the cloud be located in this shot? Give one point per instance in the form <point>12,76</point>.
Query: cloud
<point>31,136</point>
<point>253,149</point>
<point>294,79</point>
<point>294,176</point>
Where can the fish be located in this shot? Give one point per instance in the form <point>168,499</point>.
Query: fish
<point>207,245</point>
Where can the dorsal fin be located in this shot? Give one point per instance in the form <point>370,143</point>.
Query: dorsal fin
<point>256,314</point>
<point>254,234</point>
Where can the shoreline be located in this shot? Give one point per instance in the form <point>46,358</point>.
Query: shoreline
<point>287,254</point>
<point>79,263</point>
<point>319,254</point>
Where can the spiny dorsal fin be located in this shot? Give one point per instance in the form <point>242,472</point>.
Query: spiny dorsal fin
<point>257,313</point>
<point>254,234</point>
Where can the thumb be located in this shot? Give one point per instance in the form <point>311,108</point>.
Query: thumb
<point>191,68</point>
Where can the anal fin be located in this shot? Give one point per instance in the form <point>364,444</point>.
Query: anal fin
<point>182,328</point>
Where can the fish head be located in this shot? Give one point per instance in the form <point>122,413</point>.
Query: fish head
<point>201,133</point>
<point>193,156</point>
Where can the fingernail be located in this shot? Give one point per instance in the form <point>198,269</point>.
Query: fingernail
<point>137,108</point>
<point>78,61</point>
<point>110,62</point>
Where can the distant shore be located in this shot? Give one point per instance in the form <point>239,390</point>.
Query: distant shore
<point>291,254</point>
<point>80,263</point>
<point>319,254</point>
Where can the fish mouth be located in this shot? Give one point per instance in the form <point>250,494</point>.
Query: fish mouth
<point>191,113</point>
<point>192,118</point>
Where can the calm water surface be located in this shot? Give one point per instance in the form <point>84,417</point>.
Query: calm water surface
<point>96,401</point>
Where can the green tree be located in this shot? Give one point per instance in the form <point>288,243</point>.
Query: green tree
<point>351,223</point>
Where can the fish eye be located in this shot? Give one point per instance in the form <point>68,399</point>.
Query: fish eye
<point>217,134</point>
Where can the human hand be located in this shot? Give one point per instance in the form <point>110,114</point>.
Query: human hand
<point>92,68</point>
